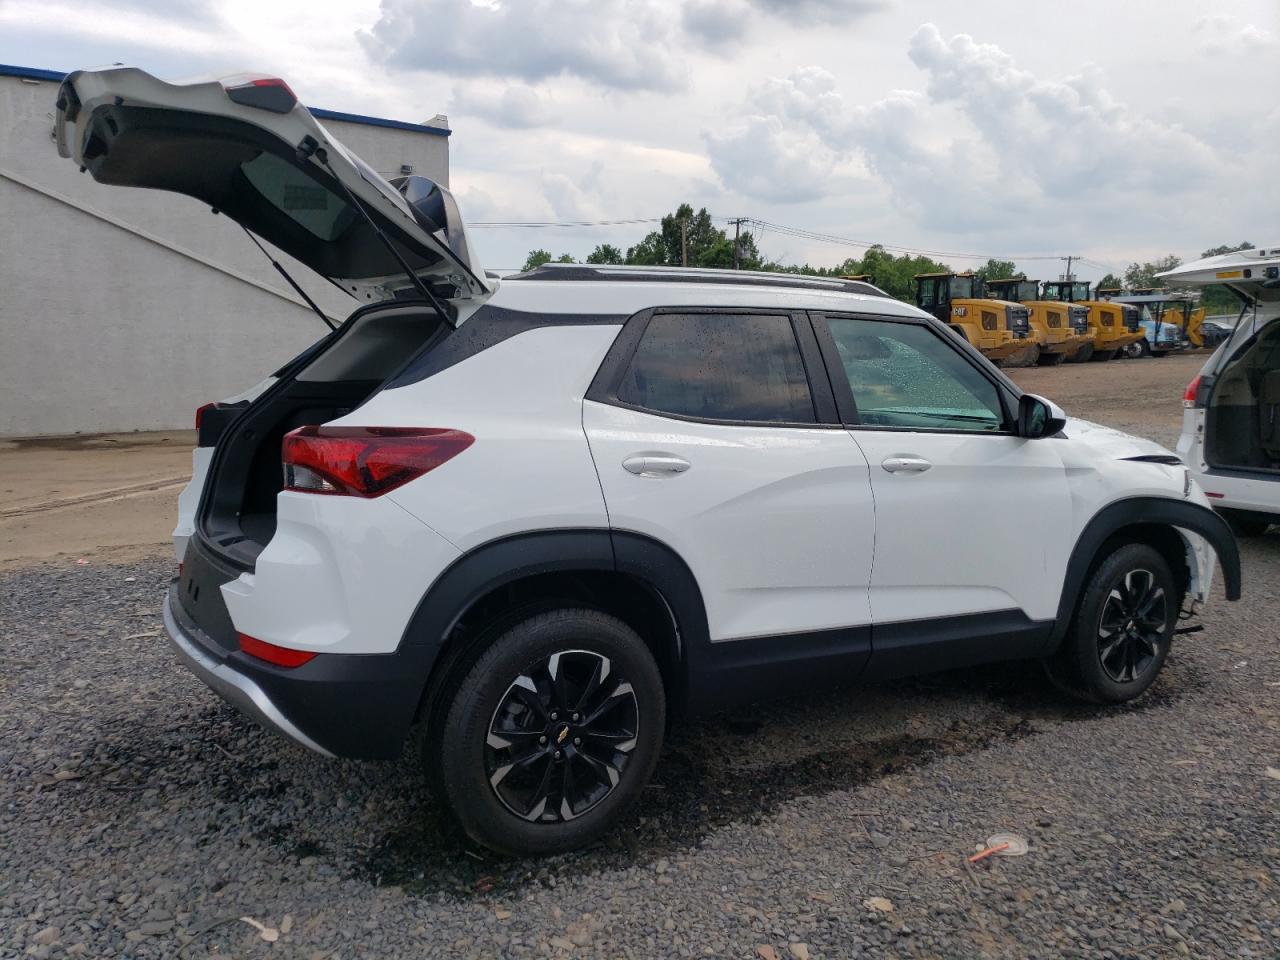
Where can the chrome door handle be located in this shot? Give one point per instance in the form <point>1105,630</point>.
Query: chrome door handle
<point>906,464</point>
<point>655,465</point>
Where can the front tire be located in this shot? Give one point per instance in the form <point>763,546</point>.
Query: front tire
<point>1121,633</point>
<point>1104,355</point>
<point>1051,359</point>
<point>551,734</point>
<point>1083,355</point>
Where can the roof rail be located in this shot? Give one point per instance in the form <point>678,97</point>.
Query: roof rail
<point>660,274</point>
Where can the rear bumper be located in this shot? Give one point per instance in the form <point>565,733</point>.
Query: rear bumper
<point>1236,491</point>
<point>336,705</point>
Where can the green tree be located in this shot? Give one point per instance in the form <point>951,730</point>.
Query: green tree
<point>893,274</point>
<point>684,231</point>
<point>535,259</point>
<point>1110,282</point>
<point>605,253</point>
<point>1227,248</point>
<point>538,257</point>
<point>649,252</point>
<point>995,270</point>
<point>1140,275</point>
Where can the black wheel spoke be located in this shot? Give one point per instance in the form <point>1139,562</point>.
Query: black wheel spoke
<point>606,773</point>
<point>621,690</point>
<point>567,790</point>
<point>620,740</point>
<point>560,738</point>
<point>528,695</point>
<point>538,801</point>
<point>559,683</point>
<point>598,672</point>
<point>504,737</point>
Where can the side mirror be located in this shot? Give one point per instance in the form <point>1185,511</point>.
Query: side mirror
<point>1038,417</point>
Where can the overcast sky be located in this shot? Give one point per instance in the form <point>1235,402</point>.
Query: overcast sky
<point>1114,130</point>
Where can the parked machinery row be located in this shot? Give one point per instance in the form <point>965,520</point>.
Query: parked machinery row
<point>1019,322</point>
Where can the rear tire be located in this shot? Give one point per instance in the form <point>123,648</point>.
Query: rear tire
<point>1122,630</point>
<point>551,734</point>
<point>1137,349</point>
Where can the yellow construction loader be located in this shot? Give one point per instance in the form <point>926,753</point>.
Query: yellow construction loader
<point>1061,330</point>
<point>1114,325</point>
<point>998,328</point>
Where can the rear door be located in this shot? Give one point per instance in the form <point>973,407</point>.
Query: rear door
<point>973,523</point>
<point>714,432</point>
<point>247,147</point>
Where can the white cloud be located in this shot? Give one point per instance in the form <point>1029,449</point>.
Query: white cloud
<point>987,142</point>
<point>622,44</point>
<point>761,157</point>
<point>1223,33</point>
<point>515,106</point>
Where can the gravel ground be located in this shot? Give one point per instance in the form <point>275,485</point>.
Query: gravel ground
<point>141,817</point>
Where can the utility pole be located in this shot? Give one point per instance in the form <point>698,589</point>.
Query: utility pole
<point>684,241</point>
<point>737,229</point>
<point>1068,274</point>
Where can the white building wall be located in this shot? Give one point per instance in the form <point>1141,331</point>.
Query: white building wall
<point>124,309</point>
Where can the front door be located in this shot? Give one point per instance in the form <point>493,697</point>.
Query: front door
<point>973,523</point>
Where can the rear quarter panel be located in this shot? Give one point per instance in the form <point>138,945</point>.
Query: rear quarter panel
<point>530,467</point>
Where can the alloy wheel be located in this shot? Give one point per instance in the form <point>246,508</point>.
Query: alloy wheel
<point>1134,619</point>
<point>561,736</point>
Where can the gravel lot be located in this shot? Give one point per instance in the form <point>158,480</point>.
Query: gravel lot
<point>140,817</point>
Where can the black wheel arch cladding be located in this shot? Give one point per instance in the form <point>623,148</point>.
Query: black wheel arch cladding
<point>1136,512</point>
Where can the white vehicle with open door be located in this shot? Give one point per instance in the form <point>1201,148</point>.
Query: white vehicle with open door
<point>1231,419</point>
<point>541,516</point>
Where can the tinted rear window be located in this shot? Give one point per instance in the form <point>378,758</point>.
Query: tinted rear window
<point>743,367</point>
<point>318,210</point>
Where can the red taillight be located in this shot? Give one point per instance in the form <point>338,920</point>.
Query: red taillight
<point>200,411</point>
<point>280,656</point>
<point>365,461</point>
<point>1214,496</point>
<point>1189,396</point>
<point>265,93</point>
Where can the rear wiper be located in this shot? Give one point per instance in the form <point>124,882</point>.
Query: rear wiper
<point>293,283</point>
<point>309,148</point>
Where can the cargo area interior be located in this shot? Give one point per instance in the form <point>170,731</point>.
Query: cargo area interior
<point>1242,428</point>
<point>238,516</point>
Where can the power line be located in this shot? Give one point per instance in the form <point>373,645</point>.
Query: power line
<point>550,224</point>
<point>803,234</point>
<point>759,227</point>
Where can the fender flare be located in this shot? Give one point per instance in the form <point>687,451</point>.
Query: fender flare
<point>476,573</point>
<point>1160,511</point>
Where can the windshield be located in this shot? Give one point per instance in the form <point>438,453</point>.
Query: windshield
<point>1019,290</point>
<point>1080,291</point>
<point>961,288</point>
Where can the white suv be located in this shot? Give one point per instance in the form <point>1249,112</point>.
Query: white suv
<point>542,515</point>
<point>1231,418</point>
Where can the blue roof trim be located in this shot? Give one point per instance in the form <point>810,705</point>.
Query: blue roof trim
<point>31,73</point>
<point>322,114</point>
